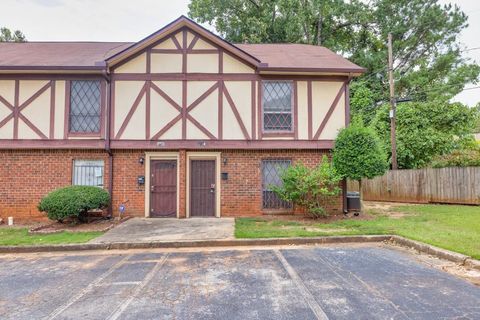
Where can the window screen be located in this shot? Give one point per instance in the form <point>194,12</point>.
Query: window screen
<point>85,108</point>
<point>277,106</point>
<point>271,170</point>
<point>88,173</point>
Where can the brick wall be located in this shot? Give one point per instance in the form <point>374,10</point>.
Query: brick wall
<point>242,192</point>
<point>27,175</point>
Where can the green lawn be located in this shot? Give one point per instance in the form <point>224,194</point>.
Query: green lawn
<point>20,236</point>
<point>455,228</point>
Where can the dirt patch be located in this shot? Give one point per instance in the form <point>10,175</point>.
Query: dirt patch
<point>55,227</point>
<point>461,271</point>
<point>385,208</point>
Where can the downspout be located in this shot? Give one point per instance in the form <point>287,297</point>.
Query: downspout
<point>107,77</point>
<point>347,123</point>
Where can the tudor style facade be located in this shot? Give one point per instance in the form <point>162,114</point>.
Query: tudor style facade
<point>181,123</point>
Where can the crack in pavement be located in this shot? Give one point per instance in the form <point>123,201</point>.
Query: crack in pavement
<point>307,295</point>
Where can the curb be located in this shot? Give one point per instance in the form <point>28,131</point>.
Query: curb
<point>459,258</point>
<point>194,244</point>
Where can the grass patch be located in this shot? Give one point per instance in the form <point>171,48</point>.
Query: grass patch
<point>455,228</point>
<point>20,236</point>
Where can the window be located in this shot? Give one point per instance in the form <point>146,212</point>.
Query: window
<point>277,106</point>
<point>88,173</point>
<point>271,170</point>
<point>85,108</point>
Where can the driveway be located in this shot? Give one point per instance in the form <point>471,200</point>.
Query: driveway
<point>169,229</point>
<point>347,282</point>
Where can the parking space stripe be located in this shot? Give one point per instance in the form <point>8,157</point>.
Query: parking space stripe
<point>124,305</point>
<point>87,289</point>
<point>307,295</point>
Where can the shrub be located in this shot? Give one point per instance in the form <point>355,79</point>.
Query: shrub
<point>73,201</point>
<point>458,158</point>
<point>311,189</point>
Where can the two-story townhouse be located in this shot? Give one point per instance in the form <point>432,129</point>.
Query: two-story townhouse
<point>179,124</point>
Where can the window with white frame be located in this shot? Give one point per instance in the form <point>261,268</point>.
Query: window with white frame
<point>277,106</point>
<point>88,173</point>
<point>271,170</point>
<point>85,106</point>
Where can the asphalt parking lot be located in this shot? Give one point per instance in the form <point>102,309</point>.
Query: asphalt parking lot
<point>364,282</point>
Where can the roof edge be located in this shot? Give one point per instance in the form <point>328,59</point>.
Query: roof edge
<point>172,27</point>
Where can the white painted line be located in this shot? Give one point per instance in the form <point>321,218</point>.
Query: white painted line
<point>124,305</point>
<point>307,295</point>
<point>87,289</point>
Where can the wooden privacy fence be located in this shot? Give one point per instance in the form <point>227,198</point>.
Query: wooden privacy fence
<point>445,185</point>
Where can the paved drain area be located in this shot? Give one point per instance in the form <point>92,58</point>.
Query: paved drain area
<point>310,282</point>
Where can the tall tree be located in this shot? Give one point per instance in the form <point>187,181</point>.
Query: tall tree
<point>428,59</point>
<point>7,35</point>
<point>426,130</point>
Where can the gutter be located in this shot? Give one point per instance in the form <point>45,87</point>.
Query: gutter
<point>108,149</point>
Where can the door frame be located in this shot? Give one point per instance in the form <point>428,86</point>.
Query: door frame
<point>149,156</point>
<point>205,156</point>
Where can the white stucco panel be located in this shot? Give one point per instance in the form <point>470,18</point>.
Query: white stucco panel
<point>6,132</point>
<point>7,90</point>
<point>241,93</point>
<point>25,132</point>
<point>174,133</point>
<point>231,128</point>
<point>166,44</point>
<point>172,88</point>
<point>166,63</point>
<point>125,94</point>
<point>302,96</point>
<point>193,133</point>
<point>323,94</point>
<point>38,113</point>
<point>59,109</point>
<point>202,44</point>
<point>29,87</point>
<point>196,88</point>
<point>161,112</point>
<point>336,121</point>
<point>206,113</point>
<point>232,65</point>
<point>135,129</point>
<point>136,65</point>
<point>202,63</point>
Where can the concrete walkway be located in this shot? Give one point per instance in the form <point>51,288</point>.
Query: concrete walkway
<point>169,229</point>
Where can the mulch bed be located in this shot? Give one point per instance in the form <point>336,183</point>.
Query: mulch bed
<point>100,225</point>
<point>308,220</point>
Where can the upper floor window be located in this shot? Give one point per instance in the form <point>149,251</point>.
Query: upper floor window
<point>85,106</point>
<point>277,106</point>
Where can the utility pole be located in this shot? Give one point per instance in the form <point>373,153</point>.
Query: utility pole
<point>393,108</point>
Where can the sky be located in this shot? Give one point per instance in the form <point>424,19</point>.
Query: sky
<point>132,20</point>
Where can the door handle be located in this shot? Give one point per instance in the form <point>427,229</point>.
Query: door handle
<point>212,188</point>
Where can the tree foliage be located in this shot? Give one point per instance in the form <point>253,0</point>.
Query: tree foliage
<point>428,61</point>
<point>312,189</point>
<point>358,153</point>
<point>425,130</point>
<point>7,35</point>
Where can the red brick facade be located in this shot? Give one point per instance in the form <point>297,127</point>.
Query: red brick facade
<point>27,175</point>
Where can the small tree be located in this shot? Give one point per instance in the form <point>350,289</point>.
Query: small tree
<point>358,154</point>
<point>311,189</point>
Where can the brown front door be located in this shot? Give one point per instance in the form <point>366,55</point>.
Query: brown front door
<point>202,188</point>
<point>163,188</point>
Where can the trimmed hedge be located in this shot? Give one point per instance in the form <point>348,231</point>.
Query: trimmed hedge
<point>73,201</point>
